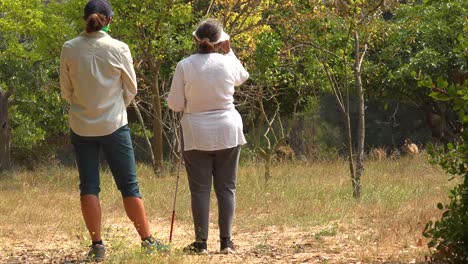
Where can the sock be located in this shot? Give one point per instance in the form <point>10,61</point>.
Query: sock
<point>150,238</point>
<point>98,242</point>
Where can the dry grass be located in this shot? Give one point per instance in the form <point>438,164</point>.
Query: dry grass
<point>305,208</point>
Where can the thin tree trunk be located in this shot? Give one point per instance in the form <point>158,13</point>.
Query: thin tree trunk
<point>343,105</point>
<point>176,148</point>
<point>361,117</point>
<point>268,157</point>
<point>157,127</point>
<point>349,143</point>
<point>148,142</point>
<point>5,158</point>
<point>268,151</point>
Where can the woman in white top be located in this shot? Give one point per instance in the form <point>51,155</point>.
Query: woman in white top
<point>98,81</point>
<point>203,89</point>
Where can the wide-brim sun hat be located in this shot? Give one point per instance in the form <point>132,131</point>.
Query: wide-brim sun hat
<point>224,36</point>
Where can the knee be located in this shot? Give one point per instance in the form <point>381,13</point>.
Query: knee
<point>225,191</point>
<point>225,187</point>
<point>89,189</point>
<point>130,190</point>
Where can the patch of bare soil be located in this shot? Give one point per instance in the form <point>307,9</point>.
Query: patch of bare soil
<point>334,243</point>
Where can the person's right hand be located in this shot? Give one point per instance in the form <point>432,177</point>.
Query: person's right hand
<point>225,46</point>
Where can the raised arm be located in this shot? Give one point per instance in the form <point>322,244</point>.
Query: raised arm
<point>239,72</point>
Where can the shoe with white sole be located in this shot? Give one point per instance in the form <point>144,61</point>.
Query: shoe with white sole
<point>197,247</point>
<point>227,246</point>
<point>152,245</point>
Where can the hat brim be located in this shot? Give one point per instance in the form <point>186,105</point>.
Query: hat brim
<point>224,37</point>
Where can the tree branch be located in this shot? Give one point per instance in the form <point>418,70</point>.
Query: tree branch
<point>438,90</point>
<point>370,12</point>
<point>335,89</point>
<point>319,48</point>
<point>361,59</point>
<point>209,8</point>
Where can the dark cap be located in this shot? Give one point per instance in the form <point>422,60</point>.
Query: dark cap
<point>98,6</point>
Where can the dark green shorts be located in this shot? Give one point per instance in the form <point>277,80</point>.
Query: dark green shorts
<point>118,150</point>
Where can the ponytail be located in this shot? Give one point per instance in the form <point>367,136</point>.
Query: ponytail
<point>95,22</point>
<point>205,46</point>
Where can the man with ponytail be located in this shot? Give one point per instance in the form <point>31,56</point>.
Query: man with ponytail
<point>98,80</point>
<point>203,89</point>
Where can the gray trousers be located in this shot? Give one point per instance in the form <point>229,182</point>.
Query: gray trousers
<point>219,168</point>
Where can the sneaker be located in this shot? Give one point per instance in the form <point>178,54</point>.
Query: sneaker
<point>199,248</point>
<point>227,247</point>
<point>151,245</point>
<point>97,252</point>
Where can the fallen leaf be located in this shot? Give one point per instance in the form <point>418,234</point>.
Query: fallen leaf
<point>420,243</point>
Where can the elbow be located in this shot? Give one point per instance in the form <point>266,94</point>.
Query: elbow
<point>128,99</point>
<point>246,76</point>
<point>174,107</point>
<point>243,77</point>
<point>67,97</point>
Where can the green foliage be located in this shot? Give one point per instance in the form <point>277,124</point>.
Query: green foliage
<point>449,235</point>
<point>281,72</point>
<point>31,36</point>
<point>281,43</point>
<point>426,54</point>
<point>158,32</point>
<point>267,58</point>
<point>421,40</point>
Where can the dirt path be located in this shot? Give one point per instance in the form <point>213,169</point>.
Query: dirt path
<point>323,244</point>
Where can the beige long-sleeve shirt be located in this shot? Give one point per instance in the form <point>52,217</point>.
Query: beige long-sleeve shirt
<point>98,80</point>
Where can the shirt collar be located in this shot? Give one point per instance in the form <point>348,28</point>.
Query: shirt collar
<point>98,34</point>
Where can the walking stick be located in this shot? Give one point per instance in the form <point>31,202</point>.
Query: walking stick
<point>177,186</point>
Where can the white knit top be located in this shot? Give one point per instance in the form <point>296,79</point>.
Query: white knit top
<point>203,88</point>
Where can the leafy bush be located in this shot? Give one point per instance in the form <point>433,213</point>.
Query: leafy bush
<point>449,235</point>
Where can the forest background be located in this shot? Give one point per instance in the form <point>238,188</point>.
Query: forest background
<point>329,79</point>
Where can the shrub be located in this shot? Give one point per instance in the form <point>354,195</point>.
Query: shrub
<point>449,234</point>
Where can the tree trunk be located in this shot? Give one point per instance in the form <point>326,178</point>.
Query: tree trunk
<point>5,159</point>
<point>349,143</point>
<point>268,158</point>
<point>157,127</point>
<point>297,136</point>
<point>343,105</point>
<point>176,151</point>
<point>361,117</point>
